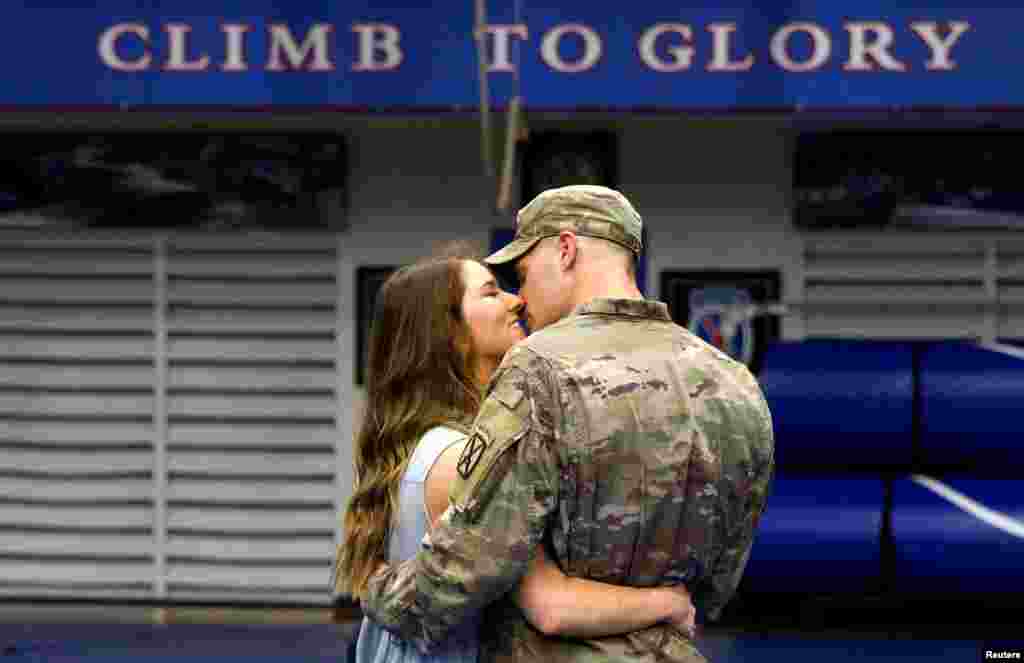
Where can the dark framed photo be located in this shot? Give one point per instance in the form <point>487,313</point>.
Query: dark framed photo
<point>559,158</point>
<point>956,179</point>
<point>698,300</point>
<point>175,179</point>
<point>368,282</point>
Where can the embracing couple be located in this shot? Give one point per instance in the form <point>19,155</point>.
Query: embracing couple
<point>578,494</point>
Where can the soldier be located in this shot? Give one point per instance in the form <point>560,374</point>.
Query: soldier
<point>637,453</point>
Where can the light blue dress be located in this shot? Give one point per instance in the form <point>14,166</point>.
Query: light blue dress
<point>375,644</point>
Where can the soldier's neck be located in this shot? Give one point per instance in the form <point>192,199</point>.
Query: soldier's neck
<point>615,284</point>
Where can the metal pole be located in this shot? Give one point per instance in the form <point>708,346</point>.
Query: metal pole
<point>991,326</point>
<point>160,416</point>
<point>345,358</point>
<point>479,34</point>
<point>508,167</point>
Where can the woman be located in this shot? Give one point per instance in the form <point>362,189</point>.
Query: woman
<point>440,329</point>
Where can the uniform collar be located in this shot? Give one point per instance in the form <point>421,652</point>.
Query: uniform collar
<point>636,308</point>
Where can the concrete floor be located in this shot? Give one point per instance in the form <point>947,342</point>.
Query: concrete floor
<point>87,632</point>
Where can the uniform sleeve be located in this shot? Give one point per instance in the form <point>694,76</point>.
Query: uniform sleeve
<point>748,504</point>
<point>483,544</point>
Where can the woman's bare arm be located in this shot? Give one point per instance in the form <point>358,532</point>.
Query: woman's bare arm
<point>559,605</point>
<point>440,479</point>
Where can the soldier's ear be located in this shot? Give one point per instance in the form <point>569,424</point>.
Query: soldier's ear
<point>568,249</point>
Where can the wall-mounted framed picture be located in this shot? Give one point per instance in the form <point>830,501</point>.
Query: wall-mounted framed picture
<point>953,179</point>
<point>699,301</point>
<point>175,179</point>
<point>559,158</point>
<point>369,279</point>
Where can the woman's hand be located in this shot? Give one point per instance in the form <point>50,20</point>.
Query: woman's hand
<point>682,612</point>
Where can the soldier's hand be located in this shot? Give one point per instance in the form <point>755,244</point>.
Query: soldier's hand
<point>684,614</point>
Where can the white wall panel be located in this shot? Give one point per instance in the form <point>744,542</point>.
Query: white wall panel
<point>236,416</point>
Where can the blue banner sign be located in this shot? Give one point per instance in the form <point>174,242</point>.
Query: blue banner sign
<point>392,55</point>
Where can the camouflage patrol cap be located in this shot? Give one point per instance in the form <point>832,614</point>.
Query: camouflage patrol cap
<point>594,211</point>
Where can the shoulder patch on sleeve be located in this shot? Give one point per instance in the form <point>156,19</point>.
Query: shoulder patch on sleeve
<point>471,455</point>
<point>502,422</point>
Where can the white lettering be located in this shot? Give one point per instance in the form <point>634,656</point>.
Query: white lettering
<point>500,60</point>
<point>234,47</point>
<point>681,56</point>
<point>665,47</point>
<point>877,49</point>
<point>721,50</point>
<point>177,60</point>
<point>591,48</point>
<point>378,38</point>
<point>822,47</point>
<point>929,32</point>
<point>282,41</point>
<point>107,47</point>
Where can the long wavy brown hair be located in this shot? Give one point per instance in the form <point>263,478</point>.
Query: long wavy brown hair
<point>417,378</point>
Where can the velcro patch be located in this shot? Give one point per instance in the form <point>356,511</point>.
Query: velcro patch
<point>511,395</point>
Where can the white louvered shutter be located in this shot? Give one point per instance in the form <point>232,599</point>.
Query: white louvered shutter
<point>1010,289</point>
<point>907,286</point>
<point>168,415</point>
<point>76,418</point>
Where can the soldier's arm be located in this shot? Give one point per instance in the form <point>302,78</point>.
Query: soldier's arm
<point>557,604</point>
<point>482,545</point>
<point>747,510</point>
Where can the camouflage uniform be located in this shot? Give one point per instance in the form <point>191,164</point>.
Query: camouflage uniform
<point>638,453</point>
